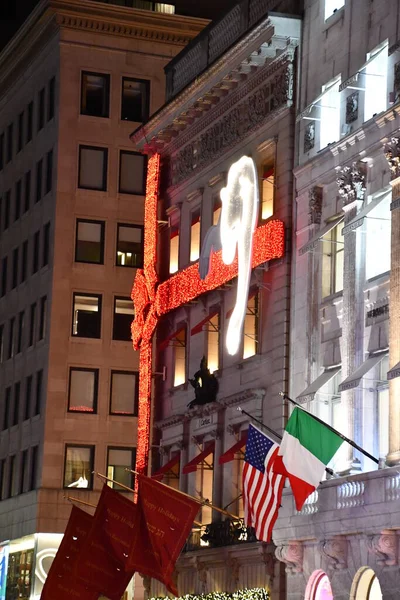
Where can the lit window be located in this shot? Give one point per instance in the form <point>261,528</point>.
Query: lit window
<point>204,484</point>
<point>86,316</point>
<point>174,251</point>
<point>124,393</point>
<point>95,94</point>
<point>132,173</point>
<point>93,168</point>
<point>377,227</point>
<point>331,6</point>
<point>129,246</point>
<point>375,100</point>
<point>118,460</point>
<point>123,317</point>
<point>267,192</point>
<point>78,466</point>
<point>89,246</point>
<point>195,237</point>
<point>135,100</point>
<point>164,8</point>
<point>180,357</point>
<point>250,329</point>
<point>216,210</point>
<point>83,385</point>
<point>213,338</point>
<point>330,113</point>
<point>332,261</point>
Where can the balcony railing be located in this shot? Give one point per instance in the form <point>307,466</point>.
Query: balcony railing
<point>220,533</point>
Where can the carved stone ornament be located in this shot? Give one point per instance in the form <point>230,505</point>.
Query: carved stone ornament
<point>351,183</point>
<point>292,555</point>
<point>392,154</point>
<point>352,107</point>
<point>384,546</point>
<point>309,137</point>
<point>397,81</point>
<point>315,205</point>
<point>335,551</point>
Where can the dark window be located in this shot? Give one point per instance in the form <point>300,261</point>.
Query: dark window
<point>20,132</point>
<point>49,171</point>
<point>95,94</point>
<point>11,476</point>
<point>89,246</point>
<point>21,322</point>
<point>11,335</point>
<point>28,397</point>
<point>2,478</point>
<point>35,255</point>
<point>24,261</point>
<point>86,321</point>
<point>15,268</point>
<point>29,127</point>
<point>41,105</point>
<point>7,405</point>
<point>39,386</point>
<point>132,173</point>
<point>135,100</point>
<point>93,168</point>
<point>78,466</point>
<point>10,133</point>
<point>18,195</point>
<point>83,387</point>
<point>27,191</point>
<point>17,394</point>
<point>1,151</point>
<point>46,245</point>
<point>1,343</point>
<point>34,468</point>
<point>4,265</point>
<point>118,460</point>
<point>39,179</point>
<point>123,317</point>
<point>124,393</point>
<point>51,98</point>
<point>22,471</point>
<point>43,318</point>
<point>32,324</point>
<point>129,246</point>
<point>7,209</point>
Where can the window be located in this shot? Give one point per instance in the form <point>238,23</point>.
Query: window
<point>7,209</point>
<point>7,405</point>
<point>375,76</point>
<point>34,468</point>
<point>174,251</point>
<point>89,247</point>
<point>22,471</point>
<point>43,318</point>
<point>135,100</point>
<point>39,385</point>
<point>17,394</point>
<point>195,237</point>
<point>20,132</point>
<point>28,397</point>
<point>11,335</point>
<point>32,324</point>
<point>217,205</point>
<point>87,316</point>
<point>180,357</point>
<point>213,337</point>
<point>132,173</point>
<point>11,477</point>
<point>250,328</point>
<point>27,191</point>
<point>79,462</point>
<point>124,393</point>
<point>46,245</point>
<point>95,94</point>
<point>10,133</point>
<point>49,171</point>
<point>15,268</point>
<point>329,104</point>
<point>377,226</point>
<point>83,386</point>
<point>51,98</point>
<point>129,246</point>
<point>204,484</point>
<point>267,191</point>
<point>119,459</point>
<point>332,261</point>
<point>123,317</point>
<point>21,320</point>
<point>93,168</point>
<point>18,195</point>
<point>1,343</point>
<point>39,179</point>
<point>1,151</point>
<point>331,6</point>
<point>41,105</point>
<point>4,264</point>
<point>35,255</point>
<point>29,127</point>
<point>24,261</point>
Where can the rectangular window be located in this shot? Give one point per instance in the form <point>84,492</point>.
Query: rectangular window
<point>375,77</point>
<point>10,134</point>
<point>24,261</point>
<point>27,191</point>
<point>93,168</point>
<point>28,397</point>
<point>17,394</point>
<point>213,341</point>
<point>7,209</point>
<point>18,196</point>
<point>95,94</point>
<point>132,173</point>
<point>43,318</point>
<point>39,388</point>
<point>332,261</point>
<point>49,171</point>
<point>331,6</point>
<point>329,113</point>
<point>4,265</point>
<point>180,357</point>
<point>29,125</point>
<point>1,151</point>
<point>79,463</point>
<point>86,316</point>
<point>34,468</point>
<point>35,255</point>
<point>46,245</point>
<point>377,226</point>
<point>1,343</point>
<point>83,387</point>
<point>129,246</point>
<point>124,393</point>
<point>123,317</point>
<point>20,131</point>
<point>135,100</point>
<point>39,180</point>
<point>32,324</point>
<point>11,335</point>
<point>7,406</point>
<point>204,484</point>
<point>22,471</point>
<point>250,328</point>
<point>41,105</point>
<point>89,246</point>
<point>15,268</point>
<point>267,191</point>
<point>174,251</point>
<point>118,460</point>
<point>21,321</point>
<point>11,477</point>
<point>51,98</point>
<point>195,237</point>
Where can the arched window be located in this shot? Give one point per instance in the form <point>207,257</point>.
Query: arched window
<point>319,587</point>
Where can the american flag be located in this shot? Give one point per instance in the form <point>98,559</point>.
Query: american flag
<point>262,488</point>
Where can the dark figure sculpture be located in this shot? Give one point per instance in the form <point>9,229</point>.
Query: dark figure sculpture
<point>205,385</point>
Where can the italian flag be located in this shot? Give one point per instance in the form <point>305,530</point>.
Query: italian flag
<point>307,447</point>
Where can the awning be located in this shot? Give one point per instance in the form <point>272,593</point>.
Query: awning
<point>252,292</point>
<point>352,381</point>
<point>308,109</point>
<point>164,343</point>
<point>310,245</point>
<point>364,212</point>
<point>159,475</point>
<point>199,327</point>
<point>349,83</point>
<point>191,467</point>
<point>394,372</point>
<point>312,389</point>
<point>229,455</point>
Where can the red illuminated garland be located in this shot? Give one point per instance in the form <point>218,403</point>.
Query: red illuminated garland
<point>152,301</point>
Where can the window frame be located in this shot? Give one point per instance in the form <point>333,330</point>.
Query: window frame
<point>104,150</point>
<point>336,248</point>
<point>39,181</point>
<point>10,143</point>
<point>92,448</point>
<point>106,107</point>
<point>41,109</point>
<point>20,136</point>
<point>133,451</point>
<point>130,226</point>
<point>183,326</point>
<point>100,308</point>
<point>95,390</point>
<point>102,240</point>
<point>146,113</point>
<point>125,299</point>
<point>51,97</point>
<point>143,189</point>
<point>49,172</point>
<point>136,398</point>
<point>29,122</point>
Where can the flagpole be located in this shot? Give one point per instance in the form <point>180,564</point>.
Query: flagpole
<point>125,487</point>
<point>72,500</point>
<point>343,437</point>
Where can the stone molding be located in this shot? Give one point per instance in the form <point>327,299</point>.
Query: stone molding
<point>269,561</point>
<point>385,547</point>
<point>292,555</point>
<point>315,196</point>
<point>392,155</point>
<point>335,551</point>
<point>351,184</point>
